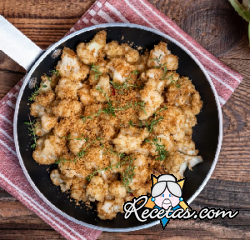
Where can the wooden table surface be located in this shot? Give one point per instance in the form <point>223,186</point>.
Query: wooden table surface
<point>216,26</point>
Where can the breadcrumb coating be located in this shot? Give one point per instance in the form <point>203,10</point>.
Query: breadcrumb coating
<point>70,66</point>
<point>110,117</point>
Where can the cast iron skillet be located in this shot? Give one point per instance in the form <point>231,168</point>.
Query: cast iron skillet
<point>207,134</point>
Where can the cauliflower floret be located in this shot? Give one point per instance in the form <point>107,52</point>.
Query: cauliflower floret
<point>177,163</point>
<point>96,159</point>
<point>102,90</point>
<point>63,126</point>
<point>48,122</point>
<point>76,142</point>
<point>85,96</point>
<point>89,53</point>
<point>97,189</point>
<point>108,126</point>
<point>141,172</point>
<point>151,97</point>
<point>60,180</point>
<point>117,189</point>
<point>70,67</point>
<point>48,149</point>
<point>45,85</point>
<point>114,50</point>
<point>78,189</point>
<point>67,89</point>
<point>109,208</point>
<point>142,63</point>
<point>39,131</point>
<point>67,108</point>
<point>129,139</point>
<point>187,146</point>
<point>36,110</point>
<point>166,140</point>
<point>45,99</point>
<point>173,122</point>
<point>97,70</point>
<point>163,56</point>
<point>67,166</point>
<point>184,96</point>
<point>120,70</point>
<point>55,177</point>
<point>132,56</point>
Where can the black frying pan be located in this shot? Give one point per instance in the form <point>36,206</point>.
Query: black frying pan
<point>207,133</point>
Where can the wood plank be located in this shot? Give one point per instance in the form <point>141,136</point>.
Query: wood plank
<point>8,81</point>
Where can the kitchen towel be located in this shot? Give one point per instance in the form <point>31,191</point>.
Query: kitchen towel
<point>140,12</point>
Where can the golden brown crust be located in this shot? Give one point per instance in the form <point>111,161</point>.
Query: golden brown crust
<point>111,117</point>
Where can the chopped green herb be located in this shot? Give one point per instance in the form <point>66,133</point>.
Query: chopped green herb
<point>125,85</point>
<point>95,69</point>
<point>78,156</point>
<point>158,61</point>
<point>32,130</point>
<point>34,94</point>
<point>163,77</point>
<point>127,176</point>
<point>160,149</point>
<point>56,72</point>
<point>174,82</point>
<point>153,123</point>
<point>131,123</point>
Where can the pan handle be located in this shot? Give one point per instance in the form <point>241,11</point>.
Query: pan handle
<point>17,46</point>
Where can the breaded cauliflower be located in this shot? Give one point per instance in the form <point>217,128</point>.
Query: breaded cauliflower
<point>120,70</point>
<point>152,99</point>
<point>89,53</point>
<point>109,117</point>
<point>177,163</point>
<point>184,96</point>
<point>129,139</point>
<point>102,90</point>
<point>60,180</point>
<point>78,189</point>
<point>67,89</point>
<point>45,99</point>
<point>161,56</point>
<point>49,149</point>
<point>117,189</point>
<point>108,209</point>
<point>97,189</point>
<point>114,50</point>
<point>67,108</point>
<point>85,96</point>
<point>70,67</point>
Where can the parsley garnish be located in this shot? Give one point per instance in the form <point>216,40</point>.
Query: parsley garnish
<point>131,123</point>
<point>153,123</point>
<point>34,94</point>
<point>56,72</point>
<point>78,156</point>
<point>125,85</point>
<point>163,77</point>
<point>95,69</point>
<point>32,130</point>
<point>174,82</point>
<point>127,176</point>
<point>160,149</point>
<point>158,60</point>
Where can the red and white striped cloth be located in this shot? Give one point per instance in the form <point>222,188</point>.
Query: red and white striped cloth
<point>140,12</point>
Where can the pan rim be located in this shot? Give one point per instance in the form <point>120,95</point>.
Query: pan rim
<point>48,51</point>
